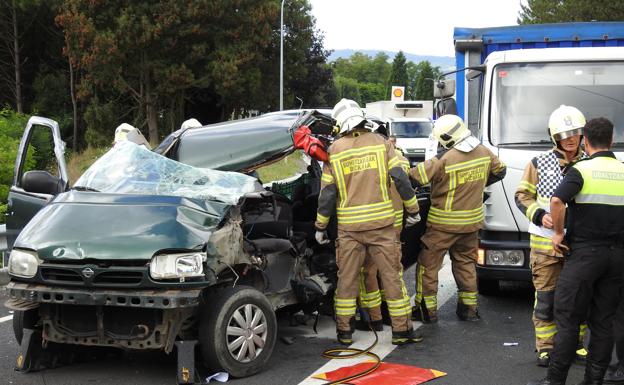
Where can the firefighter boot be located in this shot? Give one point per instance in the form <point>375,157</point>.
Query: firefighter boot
<point>615,375</point>
<point>424,315</point>
<point>467,313</point>
<point>594,374</point>
<point>555,376</point>
<point>546,381</point>
<point>581,355</point>
<point>543,358</point>
<point>368,326</point>
<point>344,337</point>
<point>406,337</point>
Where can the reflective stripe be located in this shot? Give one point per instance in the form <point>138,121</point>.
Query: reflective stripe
<point>583,330</point>
<point>468,297</point>
<point>467,164</point>
<point>410,202</point>
<point>364,208</point>
<point>356,151</point>
<point>327,178</point>
<point>366,216</point>
<point>602,199</point>
<point>345,307</point>
<point>540,243</point>
<point>448,205</point>
<point>531,210</point>
<point>543,201</point>
<point>546,331</point>
<point>399,307</point>
<point>322,219</point>
<point>398,218</point>
<point>394,162</point>
<point>419,282</point>
<point>456,217</point>
<point>431,302</point>
<point>423,173</point>
<point>527,186</point>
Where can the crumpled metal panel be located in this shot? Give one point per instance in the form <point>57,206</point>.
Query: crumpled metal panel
<point>132,169</point>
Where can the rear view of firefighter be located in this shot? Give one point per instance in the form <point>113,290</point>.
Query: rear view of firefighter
<point>541,177</point>
<point>371,295</point>
<point>458,176</point>
<point>355,185</point>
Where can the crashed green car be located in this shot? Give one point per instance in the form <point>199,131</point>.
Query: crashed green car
<point>167,248</point>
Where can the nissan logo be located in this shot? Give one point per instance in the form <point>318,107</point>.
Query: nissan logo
<point>87,272</point>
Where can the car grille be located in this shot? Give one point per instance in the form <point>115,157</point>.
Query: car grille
<point>91,275</point>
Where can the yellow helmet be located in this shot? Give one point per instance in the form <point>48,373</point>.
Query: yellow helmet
<point>564,122</point>
<point>450,130</point>
<point>348,115</point>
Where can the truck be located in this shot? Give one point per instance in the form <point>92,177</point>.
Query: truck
<point>508,81</point>
<point>409,121</point>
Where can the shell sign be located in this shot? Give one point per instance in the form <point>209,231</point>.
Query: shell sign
<point>398,94</point>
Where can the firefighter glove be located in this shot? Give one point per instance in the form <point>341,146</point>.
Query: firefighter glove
<point>321,237</point>
<point>412,219</point>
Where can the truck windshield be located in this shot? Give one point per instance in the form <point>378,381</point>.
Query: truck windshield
<point>411,129</point>
<point>524,95</point>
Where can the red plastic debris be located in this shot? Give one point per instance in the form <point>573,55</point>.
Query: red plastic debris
<point>386,374</point>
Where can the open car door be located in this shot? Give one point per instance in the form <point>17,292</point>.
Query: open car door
<point>40,174</point>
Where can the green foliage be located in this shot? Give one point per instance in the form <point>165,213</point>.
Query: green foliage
<point>557,11</point>
<point>285,168</point>
<point>421,82</point>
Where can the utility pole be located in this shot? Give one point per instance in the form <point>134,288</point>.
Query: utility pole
<point>282,57</point>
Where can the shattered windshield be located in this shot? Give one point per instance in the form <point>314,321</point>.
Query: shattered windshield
<point>132,169</point>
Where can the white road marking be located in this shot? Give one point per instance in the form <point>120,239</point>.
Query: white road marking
<point>7,318</point>
<point>446,290</point>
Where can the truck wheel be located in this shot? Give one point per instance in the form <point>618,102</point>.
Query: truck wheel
<point>24,319</point>
<point>488,286</point>
<point>237,331</point>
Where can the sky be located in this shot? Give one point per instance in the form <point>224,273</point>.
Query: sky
<point>422,27</point>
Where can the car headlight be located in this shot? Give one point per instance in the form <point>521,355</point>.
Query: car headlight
<point>167,266</point>
<point>23,263</point>
<point>504,257</point>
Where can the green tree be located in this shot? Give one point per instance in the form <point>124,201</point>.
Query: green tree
<point>398,75</point>
<point>424,74</point>
<point>556,11</point>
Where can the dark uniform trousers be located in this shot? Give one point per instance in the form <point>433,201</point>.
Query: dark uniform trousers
<point>589,284</point>
<point>619,329</point>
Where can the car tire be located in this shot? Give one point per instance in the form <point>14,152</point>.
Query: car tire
<point>24,319</point>
<point>488,286</point>
<point>237,331</point>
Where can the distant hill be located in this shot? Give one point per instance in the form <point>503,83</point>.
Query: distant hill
<point>444,62</point>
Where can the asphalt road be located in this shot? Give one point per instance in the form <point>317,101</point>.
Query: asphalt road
<point>471,353</point>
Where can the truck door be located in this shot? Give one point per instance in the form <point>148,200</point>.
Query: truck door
<point>40,173</point>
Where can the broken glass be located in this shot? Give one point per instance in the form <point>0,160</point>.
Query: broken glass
<point>132,169</point>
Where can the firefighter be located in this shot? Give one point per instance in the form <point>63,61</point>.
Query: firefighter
<point>355,185</point>
<point>541,177</point>
<point>457,176</point>
<point>591,279</point>
<point>371,294</point>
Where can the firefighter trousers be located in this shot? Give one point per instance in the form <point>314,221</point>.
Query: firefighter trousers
<point>589,285</point>
<point>371,290</point>
<point>381,246</point>
<point>545,270</point>
<point>462,248</point>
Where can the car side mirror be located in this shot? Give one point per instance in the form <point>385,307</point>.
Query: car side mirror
<point>42,182</point>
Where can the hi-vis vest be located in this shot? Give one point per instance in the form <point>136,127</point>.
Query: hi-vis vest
<point>397,203</point>
<point>603,182</point>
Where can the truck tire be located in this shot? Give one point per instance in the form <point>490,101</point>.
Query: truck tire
<point>237,331</point>
<point>488,286</point>
<point>24,319</point>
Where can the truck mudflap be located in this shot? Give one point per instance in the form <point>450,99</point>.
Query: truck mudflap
<point>23,295</point>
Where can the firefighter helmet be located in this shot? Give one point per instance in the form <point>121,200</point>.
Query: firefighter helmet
<point>348,115</point>
<point>451,132</point>
<point>564,122</point>
<point>190,123</point>
<point>128,132</point>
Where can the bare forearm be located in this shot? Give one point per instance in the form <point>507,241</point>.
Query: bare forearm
<point>557,211</point>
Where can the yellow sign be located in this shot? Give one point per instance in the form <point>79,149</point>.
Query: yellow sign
<point>359,164</point>
<point>398,94</point>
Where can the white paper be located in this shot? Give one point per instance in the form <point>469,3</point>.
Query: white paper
<point>220,377</point>
<point>541,231</point>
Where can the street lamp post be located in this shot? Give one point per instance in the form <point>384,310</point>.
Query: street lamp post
<point>282,57</point>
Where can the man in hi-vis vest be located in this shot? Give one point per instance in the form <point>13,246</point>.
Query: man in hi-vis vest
<point>457,176</point>
<point>355,186</point>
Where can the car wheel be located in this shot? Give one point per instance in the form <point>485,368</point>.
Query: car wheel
<point>237,331</point>
<point>488,286</point>
<point>24,319</point>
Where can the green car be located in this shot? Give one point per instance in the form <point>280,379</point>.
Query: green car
<point>171,247</point>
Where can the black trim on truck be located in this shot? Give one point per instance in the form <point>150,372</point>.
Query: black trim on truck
<point>504,240</point>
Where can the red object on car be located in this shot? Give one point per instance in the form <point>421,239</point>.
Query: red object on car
<point>311,145</point>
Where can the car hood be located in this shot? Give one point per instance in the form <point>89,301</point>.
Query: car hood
<point>89,225</point>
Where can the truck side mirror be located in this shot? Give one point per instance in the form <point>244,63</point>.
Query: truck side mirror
<point>444,88</point>
<point>474,72</point>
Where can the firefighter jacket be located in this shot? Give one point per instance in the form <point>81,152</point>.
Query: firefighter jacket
<point>457,182</point>
<point>397,203</point>
<point>355,184</point>
<point>541,177</point>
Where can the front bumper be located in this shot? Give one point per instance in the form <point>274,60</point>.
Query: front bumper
<point>490,240</point>
<point>22,296</point>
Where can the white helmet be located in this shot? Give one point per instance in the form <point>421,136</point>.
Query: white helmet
<point>127,132</point>
<point>348,115</point>
<point>451,132</point>
<point>191,123</point>
<point>564,122</point>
